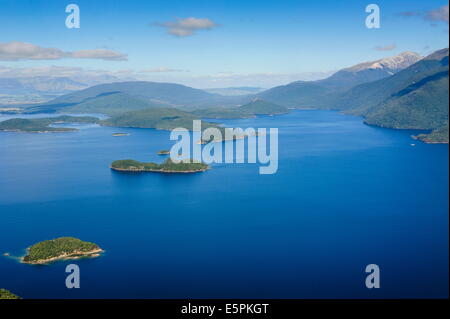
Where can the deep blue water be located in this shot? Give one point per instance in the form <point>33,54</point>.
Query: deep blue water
<point>345,195</point>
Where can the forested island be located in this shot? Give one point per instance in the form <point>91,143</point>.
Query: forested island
<point>167,167</point>
<point>6,294</point>
<point>42,125</point>
<point>60,248</point>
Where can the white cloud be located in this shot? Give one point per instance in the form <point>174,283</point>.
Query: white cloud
<point>103,54</point>
<point>187,26</point>
<point>436,15</point>
<point>388,47</point>
<point>15,51</point>
<point>161,70</point>
<point>440,14</point>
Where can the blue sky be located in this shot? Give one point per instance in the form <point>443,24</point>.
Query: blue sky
<point>263,43</point>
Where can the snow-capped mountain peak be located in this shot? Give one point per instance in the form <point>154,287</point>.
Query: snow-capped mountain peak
<point>394,63</point>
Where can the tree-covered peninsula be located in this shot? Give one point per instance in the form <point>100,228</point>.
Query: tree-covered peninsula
<point>252,109</point>
<point>436,136</point>
<point>60,248</point>
<point>5,294</point>
<point>167,167</point>
<point>42,125</point>
<point>158,118</point>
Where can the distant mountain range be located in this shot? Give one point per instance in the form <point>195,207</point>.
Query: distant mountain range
<point>417,86</point>
<point>244,90</point>
<point>322,93</point>
<point>415,98</point>
<point>43,85</point>
<point>38,89</point>
<point>404,91</point>
<point>51,85</point>
<point>125,96</point>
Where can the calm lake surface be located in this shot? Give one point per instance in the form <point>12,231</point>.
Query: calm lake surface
<point>345,195</point>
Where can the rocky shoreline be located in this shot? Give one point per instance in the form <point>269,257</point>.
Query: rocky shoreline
<point>144,170</point>
<point>73,255</point>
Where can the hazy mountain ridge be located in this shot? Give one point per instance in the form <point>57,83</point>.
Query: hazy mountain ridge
<point>112,103</point>
<point>43,85</point>
<point>153,93</point>
<point>40,89</point>
<point>232,91</point>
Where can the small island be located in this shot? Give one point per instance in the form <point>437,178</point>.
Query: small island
<point>60,249</point>
<point>167,167</point>
<point>6,294</point>
<point>234,138</point>
<point>163,152</point>
<point>120,134</point>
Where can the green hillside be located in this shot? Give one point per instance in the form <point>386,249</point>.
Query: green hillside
<point>326,92</point>
<point>252,109</point>
<point>422,105</point>
<point>415,97</point>
<point>111,104</point>
<point>439,135</point>
<point>299,94</point>
<point>219,113</point>
<point>169,92</point>
<point>128,96</point>
<point>361,99</point>
<point>5,294</point>
<point>157,118</point>
<point>261,107</point>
